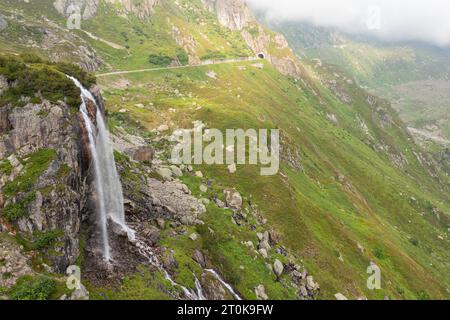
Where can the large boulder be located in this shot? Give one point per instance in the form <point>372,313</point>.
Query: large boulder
<point>233,199</point>
<point>144,154</point>
<point>278,268</point>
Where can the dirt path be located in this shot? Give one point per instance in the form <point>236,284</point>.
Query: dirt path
<point>204,63</point>
<point>109,43</point>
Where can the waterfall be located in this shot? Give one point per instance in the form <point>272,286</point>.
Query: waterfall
<point>226,285</point>
<point>109,197</point>
<point>108,188</point>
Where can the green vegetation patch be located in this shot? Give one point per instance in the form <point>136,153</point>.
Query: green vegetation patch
<point>32,288</point>
<point>34,166</point>
<point>5,167</point>
<point>143,285</point>
<point>41,240</point>
<point>160,59</point>
<point>34,78</point>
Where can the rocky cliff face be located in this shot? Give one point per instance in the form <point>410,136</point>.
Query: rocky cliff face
<point>88,8</point>
<point>236,15</point>
<point>233,14</point>
<point>142,9</point>
<point>40,143</point>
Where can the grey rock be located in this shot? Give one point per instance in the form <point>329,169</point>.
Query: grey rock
<point>233,14</point>
<point>5,124</point>
<point>219,203</point>
<point>199,258</point>
<point>260,292</point>
<point>3,24</point>
<point>193,237</point>
<point>80,294</point>
<point>278,268</point>
<point>233,199</point>
<point>176,171</point>
<point>175,202</point>
<point>60,131</point>
<point>263,253</point>
<point>161,223</point>
<point>144,154</point>
<point>199,174</point>
<point>165,173</point>
<point>264,245</point>
<point>169,261</point>
<point>310,284</point>
<point>340,296</point>
<point>152,234</point>
<point>302,291</point>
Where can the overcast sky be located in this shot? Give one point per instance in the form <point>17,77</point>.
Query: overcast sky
<point>423,20</point>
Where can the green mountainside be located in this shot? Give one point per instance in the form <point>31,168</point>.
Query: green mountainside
<point>353,187</point>
<point>414,76</point>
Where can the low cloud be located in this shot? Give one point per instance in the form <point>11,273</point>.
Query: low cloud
<point>392,20</point>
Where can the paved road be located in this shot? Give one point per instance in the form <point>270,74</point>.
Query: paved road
<point>204,63</point>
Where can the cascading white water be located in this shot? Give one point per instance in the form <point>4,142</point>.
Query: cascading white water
<point>226,285</point>
<point>107,182</point>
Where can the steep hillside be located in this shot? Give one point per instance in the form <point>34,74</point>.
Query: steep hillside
<point>414,76</point>
<point>353,188</point>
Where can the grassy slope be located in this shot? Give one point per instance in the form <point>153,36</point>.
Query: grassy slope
<point>141,38</point>
<point>318,217</point>
<point>394,71</point>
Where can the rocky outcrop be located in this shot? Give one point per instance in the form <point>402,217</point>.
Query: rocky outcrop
<point>188,43</point>
<point>86,8</point>
<point>5,124</point>
<point>174,199</point>
<point>58,191</point>
<point>142,9</point>
<point>13,264</point>
<point>282,57</point>
<point>236,15</point>
<point>233,14</point>
<point>3,84</point>
<point>233,199</point>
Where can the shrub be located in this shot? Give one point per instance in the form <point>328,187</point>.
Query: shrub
<point>379,253</point>
<point>182,56</point>
<point>213,55</point>
<point>30,58</point>
<point>42,240</point>
<point>160,60</point>
<point>5,167</point>
<point>414,242</point>
<point>15,211</point>
<point>32,288</point>
<point>46,239</point>
<point>35,166</point>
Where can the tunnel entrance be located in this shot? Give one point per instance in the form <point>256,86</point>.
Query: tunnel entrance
<point>261,55</point>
